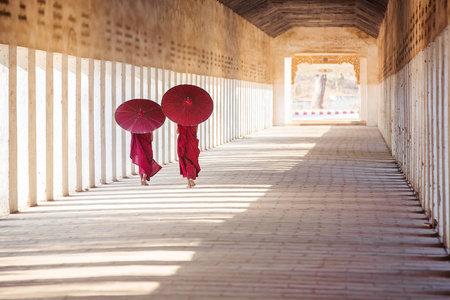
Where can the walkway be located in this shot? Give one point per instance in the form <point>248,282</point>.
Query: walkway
<point>288,213</point>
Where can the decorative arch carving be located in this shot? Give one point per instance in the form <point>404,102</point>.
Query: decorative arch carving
<point>325,59</point>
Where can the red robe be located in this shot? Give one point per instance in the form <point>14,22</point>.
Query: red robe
<point>188,151</point>
<point>141,154</point>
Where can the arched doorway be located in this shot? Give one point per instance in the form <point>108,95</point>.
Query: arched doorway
<point>325,87</point>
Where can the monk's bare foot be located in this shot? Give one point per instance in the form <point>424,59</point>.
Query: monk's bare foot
<point>189,184</point>
<point>144,179</point>
<point>191,181</point>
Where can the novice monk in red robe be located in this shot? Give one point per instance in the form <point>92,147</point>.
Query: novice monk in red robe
<point>188,153</point>
<point>141,154</point>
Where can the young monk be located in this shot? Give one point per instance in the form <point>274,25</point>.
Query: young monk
<point>188,153</point>
<point>141,154</point>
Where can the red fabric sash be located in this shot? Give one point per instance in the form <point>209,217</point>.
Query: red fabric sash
<point>188,151</point>
<point>141,154</point>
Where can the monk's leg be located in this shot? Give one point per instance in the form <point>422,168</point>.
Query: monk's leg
<point>182,162</point>
<point>191,173</point>
<point>143,179</point>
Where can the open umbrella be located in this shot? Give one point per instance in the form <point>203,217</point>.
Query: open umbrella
<point>187,104</point>
<point>140,115</point>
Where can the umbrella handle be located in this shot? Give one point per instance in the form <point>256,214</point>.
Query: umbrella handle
<point>187,101</point>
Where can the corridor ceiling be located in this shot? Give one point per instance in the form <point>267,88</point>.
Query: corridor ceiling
<point>277,16</point>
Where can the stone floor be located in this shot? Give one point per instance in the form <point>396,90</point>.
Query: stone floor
<point>287,213</point>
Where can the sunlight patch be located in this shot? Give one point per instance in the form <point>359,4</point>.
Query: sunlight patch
<point>89,272</point>
<point>96,257</point>
<point>83,289</point>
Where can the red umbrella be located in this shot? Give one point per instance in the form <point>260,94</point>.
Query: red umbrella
<point>140,115</point>
<point>187,104</point>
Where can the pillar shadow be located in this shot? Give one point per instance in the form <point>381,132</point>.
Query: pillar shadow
<point>295,212</point>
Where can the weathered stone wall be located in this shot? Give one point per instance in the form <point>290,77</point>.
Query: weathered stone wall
<point>190,36</point>
<point>413,51</point>
<point>408,27</point>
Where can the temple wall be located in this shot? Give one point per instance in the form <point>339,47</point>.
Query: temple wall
<point>408,27</point>
<point>197,36</point>
<point>413,51</point>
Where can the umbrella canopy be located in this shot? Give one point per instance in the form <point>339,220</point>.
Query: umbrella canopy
<point>187,104</point>
<point>140,116</point>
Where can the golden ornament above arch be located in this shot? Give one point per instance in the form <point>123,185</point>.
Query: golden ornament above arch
<point>325,59</point>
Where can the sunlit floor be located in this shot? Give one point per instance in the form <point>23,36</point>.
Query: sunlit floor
<point>287,213</point>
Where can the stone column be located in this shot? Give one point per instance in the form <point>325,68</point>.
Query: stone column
<point>248,113</point>
<point>428,118</point>
<point>109,117</point>
<point>227,137</point>
<point>158,147</point>
<point>446,104</point>
<point>13,172</point>
<point>247,116</point>
<point>208,126</point>
<point>205,124</point>
<point>239,109</point>
<point>282,77</point>
<point>235,108</point>
<point>123,133</point>
<point>102,123</point>
<point>243,109</point>
<point>177,82</point>
<point>64,124</point>
<point>222,111</point>
<point>169,124</point>
<point>217,133</point>
<point>165,129</point>
<point>32,169</point>
<point>230,111</point>
<point>78,132</point>
<point>91,125</point>
<point>162,130</point>
<point>22,121</point>
<point>133,96</point>
<point>216,112</point>
<point>434,138</point>
<point>440,131</point>
<point>212,88</point>
<point>49,126</point>
<point>4,129</point>
<point>363,89</point>
<point>422,104</point>
<point>154,95</point>
<point>113,121</point>
<point>231,104</point>
<point>141,82</point>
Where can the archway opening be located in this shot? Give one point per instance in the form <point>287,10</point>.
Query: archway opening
<point>325,88</point>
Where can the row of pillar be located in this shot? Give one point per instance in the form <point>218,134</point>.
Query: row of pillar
<point>415,124</point>
<point>58,134</point>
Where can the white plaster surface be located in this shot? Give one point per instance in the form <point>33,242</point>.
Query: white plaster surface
<point>4,128</point>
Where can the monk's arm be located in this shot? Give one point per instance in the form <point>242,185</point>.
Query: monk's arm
<point>151,137</point>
